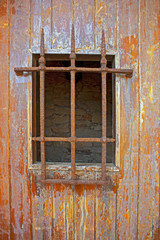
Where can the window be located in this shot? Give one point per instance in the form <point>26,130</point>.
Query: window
<point>73,110</point>
<point>88,110</point>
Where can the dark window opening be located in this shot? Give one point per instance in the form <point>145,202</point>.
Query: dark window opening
<point>88,113</point>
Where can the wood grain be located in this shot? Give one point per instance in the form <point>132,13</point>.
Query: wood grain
<point>80,213</point>
<point>61,24</point>
<point>84,11</point>
<point>106,18</point>
<point>4,137</point>
<point>149,123</point>
<point>36,24</point>
<point>47,23</point>
<point>20,188</point>
<point>134,152</point>
<point>126,120</point>
<point>59,211</point>
<point>130,209</point>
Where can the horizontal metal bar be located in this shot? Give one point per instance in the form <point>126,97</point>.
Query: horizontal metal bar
<point>128,72</point>
<point>95,140</point>
<point>76,181</point>
<point>26,69</point>
<point>71,139</point>
<point>51,139</point>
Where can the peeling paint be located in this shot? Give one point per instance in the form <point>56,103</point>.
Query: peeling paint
<point>151,50</point>
<point>151,94</point>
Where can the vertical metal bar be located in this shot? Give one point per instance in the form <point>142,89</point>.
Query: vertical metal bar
<point>34,110</point>
<point>113,115</point>
<point>42,107</point>
<point>104,106</point>
<point>73,57</point>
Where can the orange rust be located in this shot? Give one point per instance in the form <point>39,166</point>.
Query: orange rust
<point>3,8</point>
<point>12,2</point>
<point>1,143</point>
<point>134,47</point>
<point>13,11</point>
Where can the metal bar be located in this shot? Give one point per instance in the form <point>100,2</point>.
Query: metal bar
<point>34,110</point>
<point>104,106</point>
<point>51,139</point>
<point>113,116</point>
<point>95,140</point>
<point>73,144</point>
<point>26,69</point>
<point>61,139</point>
<point>42,107</point>
<point>76,182</point>
<point>128,72</point>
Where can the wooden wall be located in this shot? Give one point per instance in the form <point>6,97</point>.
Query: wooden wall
<point>131,209</point>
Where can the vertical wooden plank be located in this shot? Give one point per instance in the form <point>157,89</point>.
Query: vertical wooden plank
<point>84,11</point>
<point>59,211</point>
<point>37,218</point>
<point>106,211</point>
<point>47,202</point>
<point>134,129</point>
<point>106,18</point>
<point>61,23</point>
<point>20,188</point>
<point>79,211</point>
<point>126,118</point>
<point>4,151</point>
<point>105,222</point>
<point>69,209</point>
<point>36,24</point>
<point>42,205</point>
<point>47,23</point>
<point>89,212</point>
<point>84,19</point>
<point>148,223</point>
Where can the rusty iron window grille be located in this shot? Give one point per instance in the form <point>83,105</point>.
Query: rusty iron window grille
<point>73,139</point>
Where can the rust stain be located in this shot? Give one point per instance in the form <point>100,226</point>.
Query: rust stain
<point>13,10</point>
<point>3,9</point>
<point>47,209</point>
<point>28,31</point>
<point>134,47</point>
<point>1,143</point>
<point>48,10</point>
<point>4,25</point>
<point>151,50</point>
<point>100,8</point>
<point>100,21</point>
<point>12,1</point>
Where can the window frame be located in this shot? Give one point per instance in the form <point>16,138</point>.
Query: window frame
<point>96,167</point>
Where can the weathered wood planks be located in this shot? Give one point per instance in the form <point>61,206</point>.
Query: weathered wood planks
<point>83,212</point>
<point>148,209</point>
<point>4,136</point>
<point>20,185</point>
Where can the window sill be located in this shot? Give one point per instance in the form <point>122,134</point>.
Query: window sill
<point>110,167</point>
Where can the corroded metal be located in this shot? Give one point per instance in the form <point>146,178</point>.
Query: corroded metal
<point>71,139</point>
<point>73,69</point>
<point>73,144</point>
<point>77,182</point>
<point>104,106</point>
<point>127,72</point>
<point>42,106</point>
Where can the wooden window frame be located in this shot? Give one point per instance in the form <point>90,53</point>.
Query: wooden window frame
<point>103,167</point>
